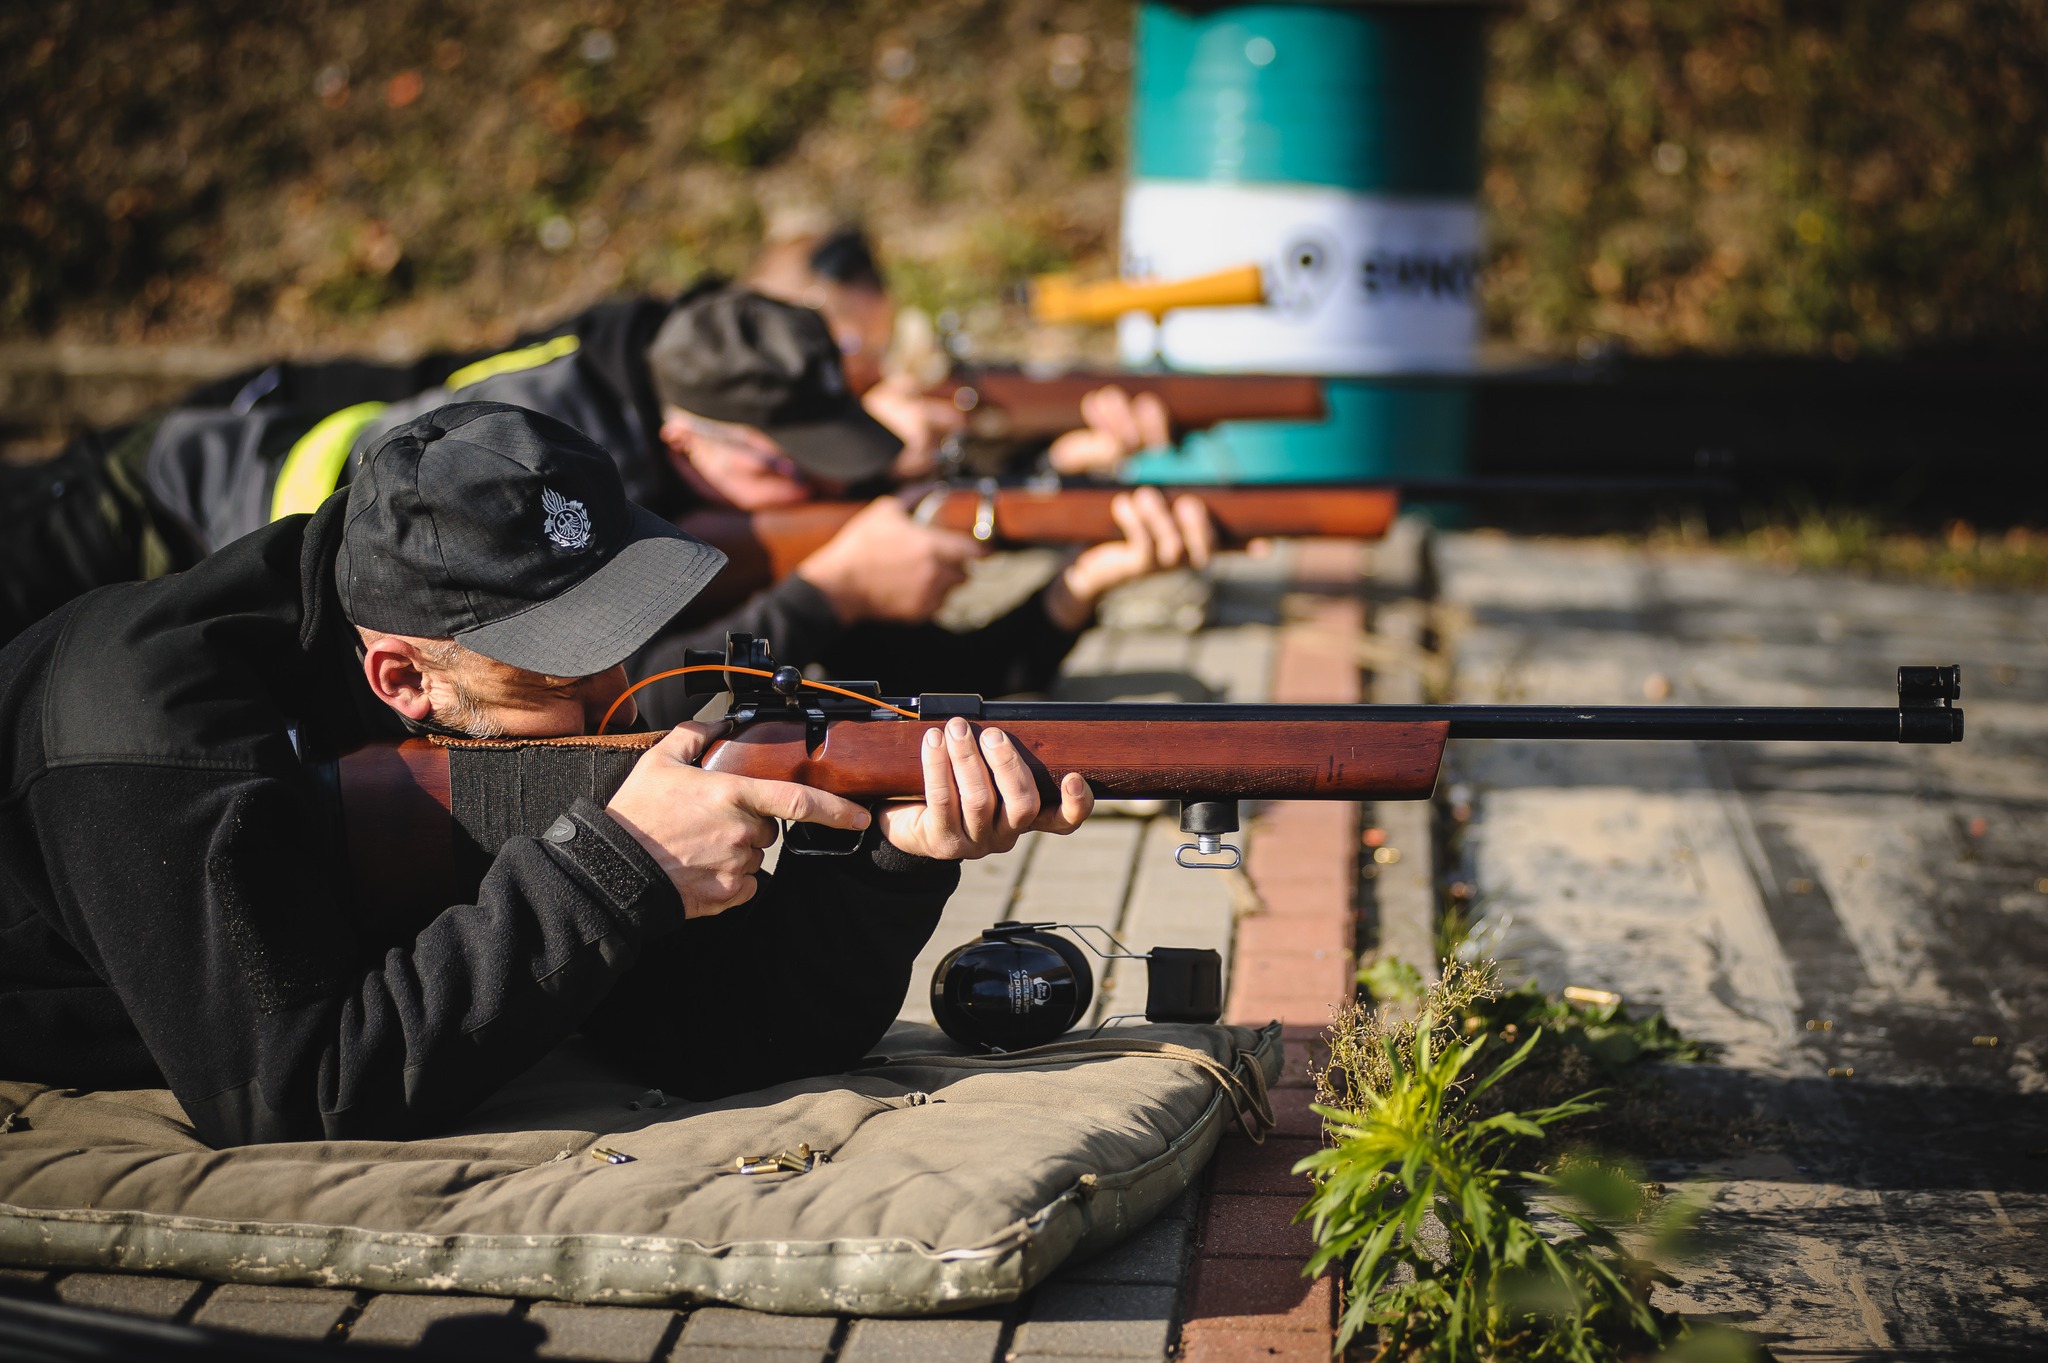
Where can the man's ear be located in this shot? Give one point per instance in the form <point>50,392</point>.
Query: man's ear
<point>392,667</point>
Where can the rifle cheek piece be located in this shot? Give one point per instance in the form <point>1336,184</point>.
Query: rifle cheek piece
<point>1022,984</point>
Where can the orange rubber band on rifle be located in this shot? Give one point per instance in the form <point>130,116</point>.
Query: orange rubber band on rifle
<point>605,723</point>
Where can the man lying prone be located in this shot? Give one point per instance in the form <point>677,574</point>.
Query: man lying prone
<point>173,885</point>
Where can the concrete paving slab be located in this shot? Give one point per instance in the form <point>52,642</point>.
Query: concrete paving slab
<point>604,1334</point>
<point>949,1339</point>
<point>726,1328</point>
<point>1864,927</point>
<point>1093,1320</point>
<point>132,1294</point>
<point>279,1312</point>
<point>464,1326</point>
<point>1157,1254</point>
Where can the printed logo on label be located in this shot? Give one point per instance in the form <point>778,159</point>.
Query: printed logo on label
<point>566,522</point>
<point>1028,991</point>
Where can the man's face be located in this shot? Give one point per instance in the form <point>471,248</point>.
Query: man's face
<point>738,466</point>
<point>487,699</point>
<point>862,321</point>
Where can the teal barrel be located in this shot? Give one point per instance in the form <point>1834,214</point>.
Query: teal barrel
<point>1336,145</point>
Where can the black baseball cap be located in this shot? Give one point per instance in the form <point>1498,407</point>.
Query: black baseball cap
<point>510,532</point>
<point>734,355</point>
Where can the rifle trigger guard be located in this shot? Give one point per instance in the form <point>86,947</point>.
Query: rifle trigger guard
<point>927,508</point>
<point>1207,845</point>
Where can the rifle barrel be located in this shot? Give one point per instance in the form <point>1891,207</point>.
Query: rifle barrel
<point>1836,724</point>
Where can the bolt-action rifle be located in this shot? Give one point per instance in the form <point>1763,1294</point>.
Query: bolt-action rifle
<point>1004,405</point>
<point>428,801</point>
<point>766,546</point>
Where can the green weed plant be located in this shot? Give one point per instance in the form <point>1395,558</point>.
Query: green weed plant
<point>1424,1192</point>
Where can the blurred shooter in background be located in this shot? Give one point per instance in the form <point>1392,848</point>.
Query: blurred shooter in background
<point>835,273</point>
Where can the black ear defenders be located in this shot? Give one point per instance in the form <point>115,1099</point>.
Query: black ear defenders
<point>1022,984</point>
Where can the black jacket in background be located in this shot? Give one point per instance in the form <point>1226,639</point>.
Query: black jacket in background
<point>175,906</point>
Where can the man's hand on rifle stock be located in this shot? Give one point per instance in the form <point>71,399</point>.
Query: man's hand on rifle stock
<point>1119,425</point>
<point>1156,537</point>
<point>882,565</point>
<point>708,829</point>
<point>979,798</point>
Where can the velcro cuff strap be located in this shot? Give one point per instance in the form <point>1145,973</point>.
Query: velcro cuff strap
<point>609,857</point>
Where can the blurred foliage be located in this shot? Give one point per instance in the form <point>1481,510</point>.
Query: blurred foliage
<point>1809,175</point>
<point>1961,555</point>
<point>1797,174</point>
<point>425,173</point>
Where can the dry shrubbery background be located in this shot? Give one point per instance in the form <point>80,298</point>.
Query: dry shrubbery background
<point>396,174</point>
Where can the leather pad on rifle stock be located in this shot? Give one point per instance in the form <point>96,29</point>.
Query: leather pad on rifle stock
<point>499,791</point>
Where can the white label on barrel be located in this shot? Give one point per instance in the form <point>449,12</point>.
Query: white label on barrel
<point>1355,283</point>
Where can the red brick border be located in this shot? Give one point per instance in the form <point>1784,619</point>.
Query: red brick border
<point>1292,961</point>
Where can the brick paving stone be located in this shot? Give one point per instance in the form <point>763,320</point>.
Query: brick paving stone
<point>129,1293</point>
<point>1235,664</point>
<point>400,1319</point>
<point>279,1312</point>
<point>1242,1167</point>
<point>1302,1056</point>
<point>1244,1226</point>
<point>1089,1320</point>
<point>1323,936</point>
<point>698,1353</point>
<point>726,1327</point>
<point>25,1282</point>
<point>947,1339</point>
<point>1292,1116</point>
<point>604,1334</point>
<point>1155,1254</point>
<point>1208,1345</point>
<point>1258,1294</point>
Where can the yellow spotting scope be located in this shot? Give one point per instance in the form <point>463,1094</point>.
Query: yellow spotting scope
<point>1058,298</point>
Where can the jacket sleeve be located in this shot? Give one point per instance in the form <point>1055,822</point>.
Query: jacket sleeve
<point>802,979</point>
<point>792,615</point>
<point>278,1004</point>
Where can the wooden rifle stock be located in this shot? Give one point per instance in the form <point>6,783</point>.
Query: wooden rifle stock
<point>1010,404</point>
<point>398,800</point>
<point>766,546</point>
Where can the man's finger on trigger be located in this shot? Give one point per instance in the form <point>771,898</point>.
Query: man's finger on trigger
<point>798,803</point>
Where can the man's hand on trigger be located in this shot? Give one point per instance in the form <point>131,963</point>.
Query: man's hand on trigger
<point>707,829</point>
<point>883,565</point>
<point>979,798</point>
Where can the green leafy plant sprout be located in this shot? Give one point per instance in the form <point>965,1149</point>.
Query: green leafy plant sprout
<point>1493,1285</point>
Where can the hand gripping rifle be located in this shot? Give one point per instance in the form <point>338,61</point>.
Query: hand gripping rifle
<point>446,803</point>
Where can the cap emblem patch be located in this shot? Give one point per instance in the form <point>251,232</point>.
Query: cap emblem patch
<point>566,522</point>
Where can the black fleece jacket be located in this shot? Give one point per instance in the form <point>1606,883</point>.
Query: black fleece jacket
<point>175,906</point>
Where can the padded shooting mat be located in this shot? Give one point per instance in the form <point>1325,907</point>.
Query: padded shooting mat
<point>953,1181</point>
